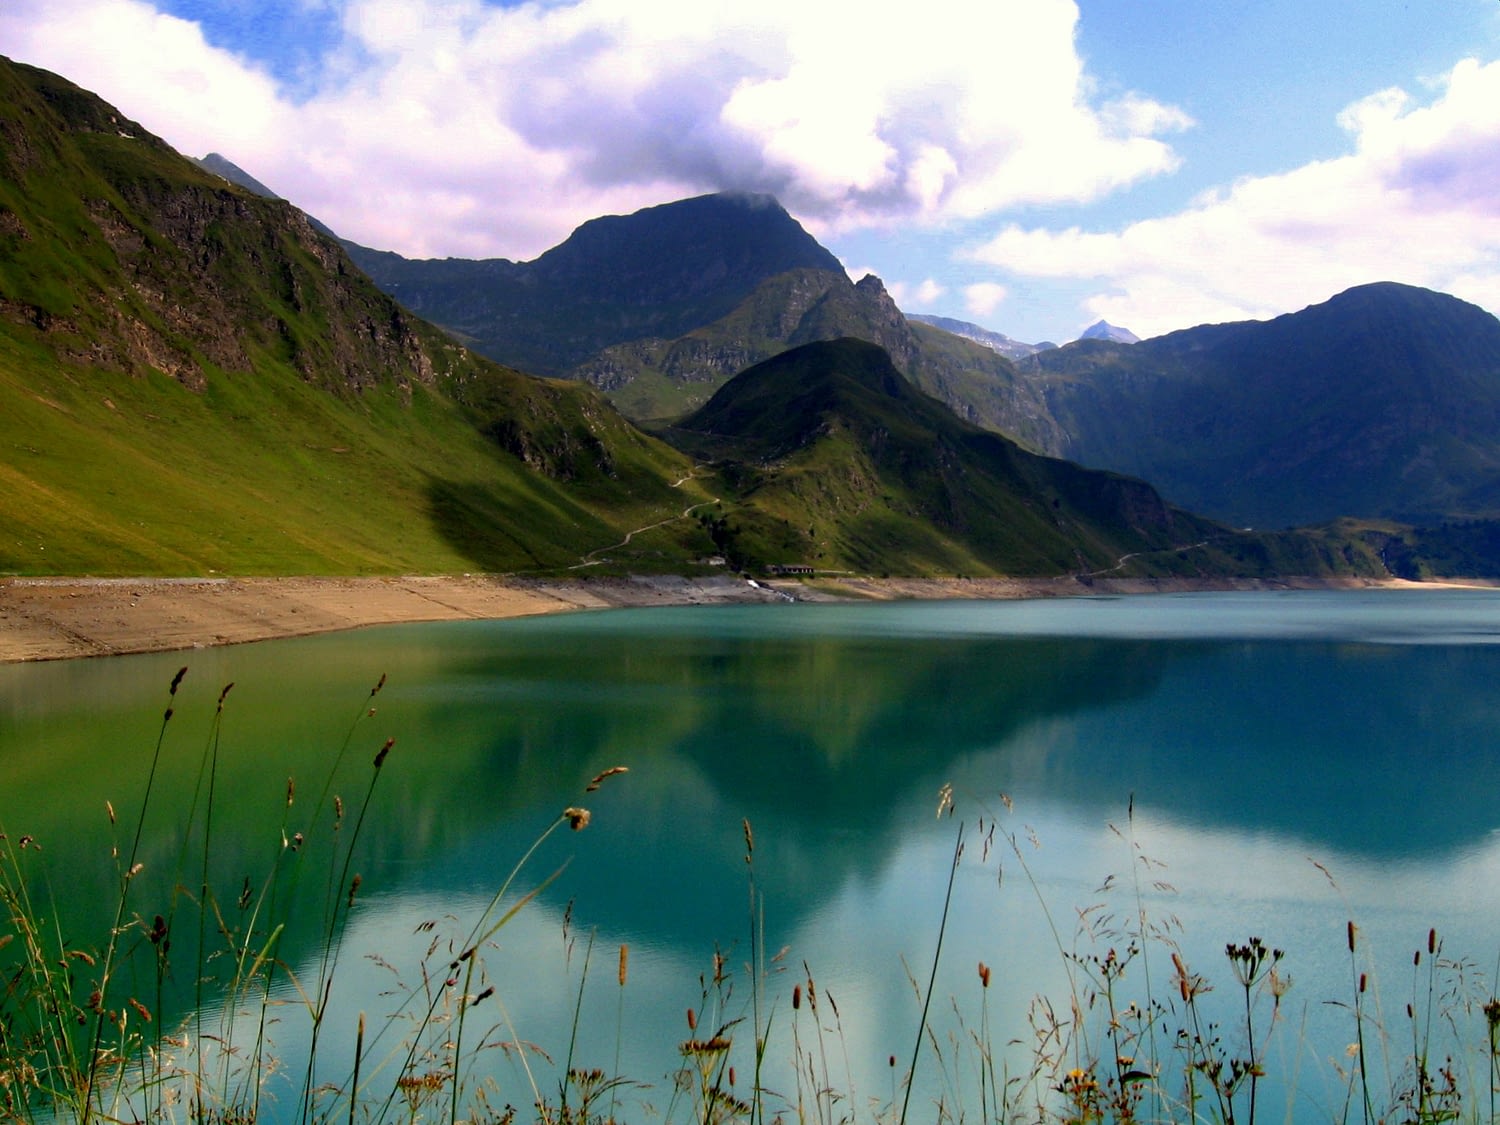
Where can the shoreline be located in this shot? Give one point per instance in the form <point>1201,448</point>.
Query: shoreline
<point>66,618</point>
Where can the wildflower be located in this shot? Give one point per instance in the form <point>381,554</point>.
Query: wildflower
<point>1280,983</point>
<point>714,1046</point>
<point>945,800</point>
<point>593,785</point>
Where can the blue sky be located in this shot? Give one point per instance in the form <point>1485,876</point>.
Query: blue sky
<point>1030,165</point>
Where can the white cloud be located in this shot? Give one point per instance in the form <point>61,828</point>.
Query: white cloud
<point>928,292</point>
<point>1414,201</point>
<point>983,297</point>
<point>910,297</point>
<point>458,127</point>
<point>155,67</point>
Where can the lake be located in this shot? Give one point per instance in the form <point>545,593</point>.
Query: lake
<point>1171,773</point>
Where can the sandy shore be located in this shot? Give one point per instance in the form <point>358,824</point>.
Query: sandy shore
<point>60,618</point>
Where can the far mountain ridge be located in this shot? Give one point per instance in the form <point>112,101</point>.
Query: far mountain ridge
<point>861,455</point>
<point>660,307</point>
<point>221,165</point>
<point>1382,402</point>
<point>657,273</point>
<point>193,378</point>
<point>845,463</point>
<point>995,341</point>
<point>1139,411</point>
<point>1104,330</point>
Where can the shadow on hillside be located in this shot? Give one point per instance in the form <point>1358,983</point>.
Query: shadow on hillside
<point>497,530</point>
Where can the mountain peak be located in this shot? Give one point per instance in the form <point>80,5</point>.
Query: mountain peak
<point>227,169</point>
<point>1104,330</point>
<point>655,274</point>
<point>995,341</point>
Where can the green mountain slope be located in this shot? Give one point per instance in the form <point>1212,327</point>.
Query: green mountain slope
<point>193,378</point>
<point>845,465</point>
<point>655,274</point>
<point>656,380</point>
<point>660,308</point>
<point>1383,402</point>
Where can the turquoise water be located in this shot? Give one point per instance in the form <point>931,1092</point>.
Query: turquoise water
<point>1190,770</point>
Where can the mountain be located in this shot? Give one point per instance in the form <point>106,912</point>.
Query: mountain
<point>194,379</point>
<point>1383,402</point>
<point>660,273</point>
<point>222,166</point>
<point>1104,330</point>
<point>845,465</point>
<point>659,379</point>
<point>995,341</point>
<point>659,308</point>
<point>225,168</point>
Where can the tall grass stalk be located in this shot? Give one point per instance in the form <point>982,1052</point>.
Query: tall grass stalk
<point>77,1046</point>
<point>945,804</point>
<point>127,876</point>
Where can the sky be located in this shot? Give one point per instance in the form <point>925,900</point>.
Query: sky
<point>1031,166</point>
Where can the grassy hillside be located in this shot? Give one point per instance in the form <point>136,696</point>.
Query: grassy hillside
<point>844,465</point>
<point>194,379</point>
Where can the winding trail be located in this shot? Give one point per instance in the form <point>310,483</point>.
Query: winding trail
<point>1123,559</point>
<point>590,559</point>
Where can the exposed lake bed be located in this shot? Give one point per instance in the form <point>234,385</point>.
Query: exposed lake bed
<point>62,618</point>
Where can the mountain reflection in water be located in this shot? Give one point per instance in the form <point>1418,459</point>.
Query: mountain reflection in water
<point>1289,760</point>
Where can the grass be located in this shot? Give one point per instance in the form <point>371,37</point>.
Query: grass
<point>195,381</point>
<point>110,474</point>
<point>180,1006</point>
